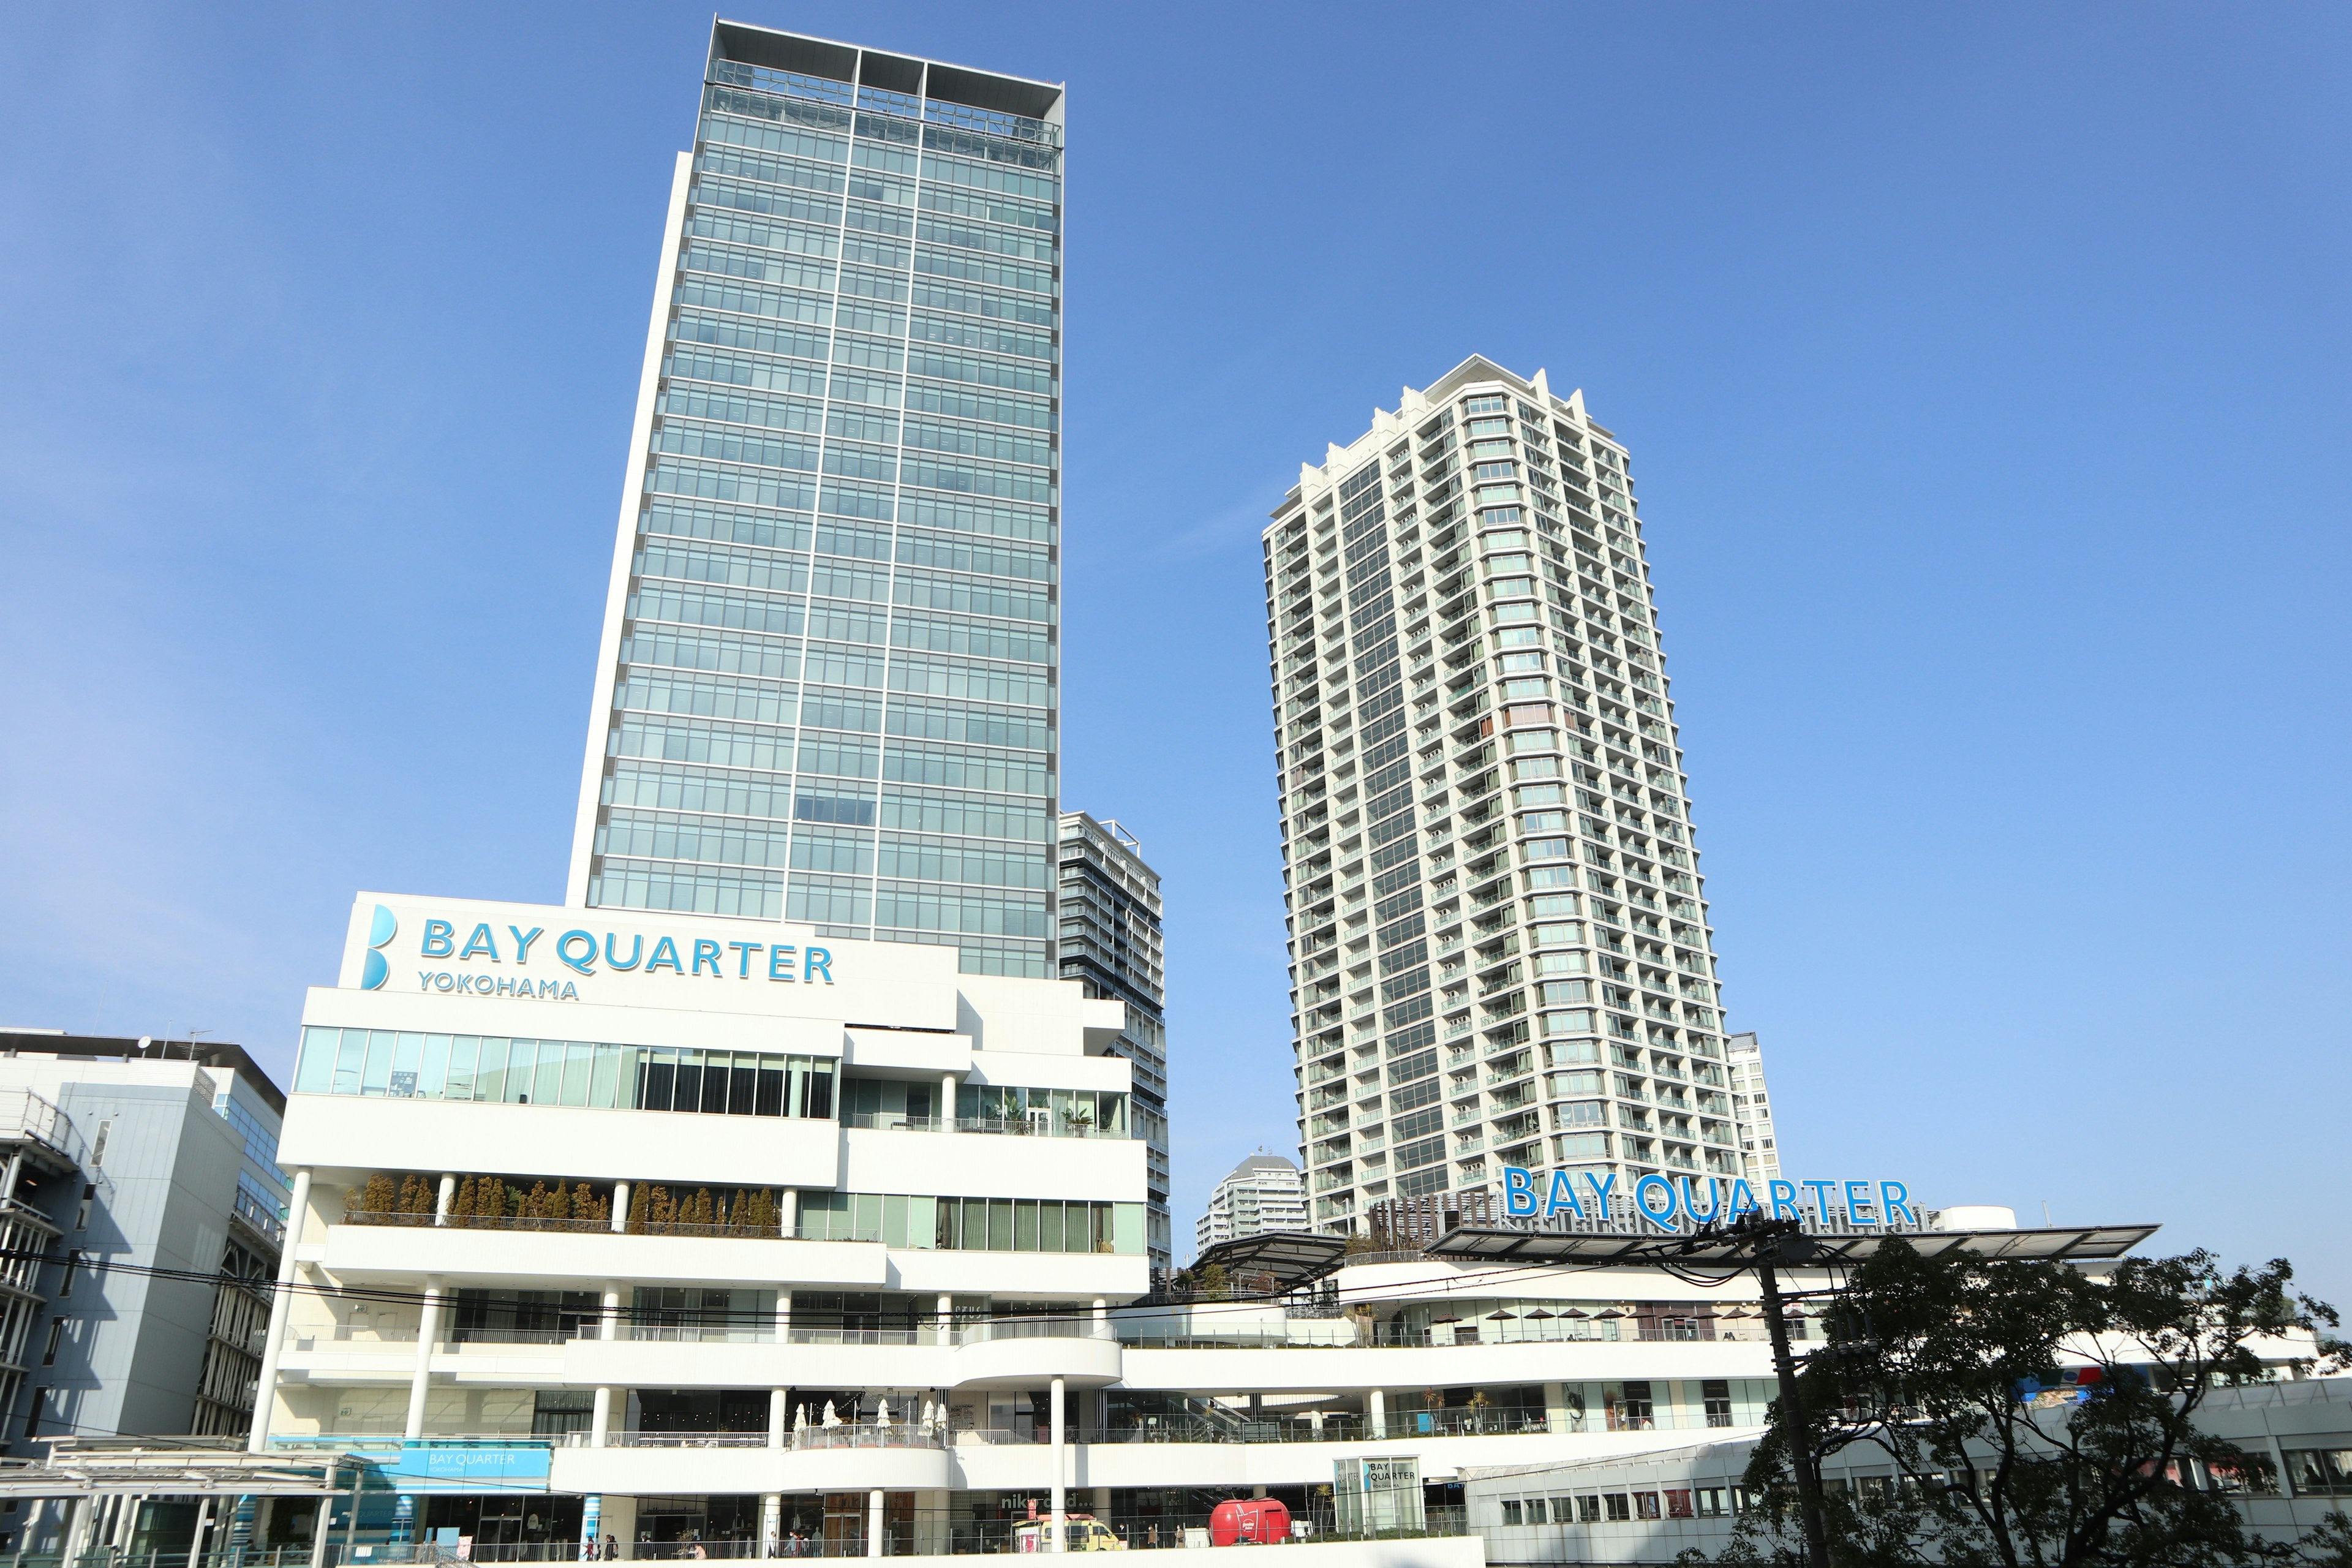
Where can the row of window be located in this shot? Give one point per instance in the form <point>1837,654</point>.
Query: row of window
<point>399,1063</point>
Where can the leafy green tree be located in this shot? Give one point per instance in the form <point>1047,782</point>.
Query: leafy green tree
<point>2030,1414</point>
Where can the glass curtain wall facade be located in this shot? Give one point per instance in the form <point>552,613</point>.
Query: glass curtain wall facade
<point>1109,942</point>
<point>1499,942</point>
<point>828,686</point>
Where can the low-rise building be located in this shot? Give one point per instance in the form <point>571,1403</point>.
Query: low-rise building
<point>697,1231</point>
<point>1263,1193</point>
<point>143,1211</point>
<point>1653,1507</point>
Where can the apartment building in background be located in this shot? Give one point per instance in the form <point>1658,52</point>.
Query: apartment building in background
<point>1751,1108</point>
<point>1107,939</point>
<point>1499,939</point>
<point>826,686</point>
<point>1262,1194</point>
<point>147,1170</point>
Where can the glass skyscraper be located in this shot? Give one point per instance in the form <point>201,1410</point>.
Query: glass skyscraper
<point>827,687</point>
<point>1499,946</point>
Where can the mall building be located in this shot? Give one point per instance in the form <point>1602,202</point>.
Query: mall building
<point>687,1229</point>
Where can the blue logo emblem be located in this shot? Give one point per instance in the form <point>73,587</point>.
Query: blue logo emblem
<point>377,969</point>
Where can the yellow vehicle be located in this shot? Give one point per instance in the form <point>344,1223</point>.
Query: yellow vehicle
<point>1084,1534</point>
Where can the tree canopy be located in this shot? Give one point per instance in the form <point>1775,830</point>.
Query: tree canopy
<point>2031,1414</point>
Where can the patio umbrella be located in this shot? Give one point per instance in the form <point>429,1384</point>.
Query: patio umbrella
<point>830,1418</point>
<point>1607,1312</point>
<point>1499,1316</point>
<point>800,1418</point>
<point>1575,1312</point>
<point>1540,1316</point>
<point>882,1413</point>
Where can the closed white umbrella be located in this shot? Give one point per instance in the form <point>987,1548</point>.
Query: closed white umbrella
<point>882,1413</point>
<point>830,1418</point>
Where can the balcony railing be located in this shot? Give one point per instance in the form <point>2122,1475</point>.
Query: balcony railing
<point>687,1439</point>
<point>579,1226</point>
<point>871,1435</point>
<point>1003,1127</point>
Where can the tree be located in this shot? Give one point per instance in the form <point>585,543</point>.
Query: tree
<point>2032,1416</point>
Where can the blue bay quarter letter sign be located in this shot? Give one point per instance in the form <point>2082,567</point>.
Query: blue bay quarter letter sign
<point>1669,1204</point>
<point>582,952</point>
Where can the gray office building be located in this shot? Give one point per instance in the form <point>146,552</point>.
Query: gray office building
<point>1499,941</point>
<point>1109,940</point>
<point>147,1172</point>
<point>826,688</point>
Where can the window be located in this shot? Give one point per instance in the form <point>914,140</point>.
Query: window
<point>1645,1505</point>
<point>1709,1502</point>
<point>1536,1513</point>
<point>57,1333</point>
<point>98,1145</point>
<point>1588,1509</point>
<point>1511,1510</point>
<point>1617,1505</point>
<point>1678,1505</point>
<point>1488,405</point>
<point>2320,1472</point>
<point>1715,1393</point>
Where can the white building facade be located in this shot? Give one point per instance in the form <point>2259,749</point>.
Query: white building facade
<point>1499,940</point>
<point>1263,1193</point>
<point>679,1228</point>
<point>1751,1110</point>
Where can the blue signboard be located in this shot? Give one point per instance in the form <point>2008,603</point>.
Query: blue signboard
<point>471,1466</point>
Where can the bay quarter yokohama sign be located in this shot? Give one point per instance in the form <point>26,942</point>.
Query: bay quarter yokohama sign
<point>1675,1204</point>
<point>578,951</point>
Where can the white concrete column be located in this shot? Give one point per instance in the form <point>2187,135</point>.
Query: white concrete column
<point>77,1529</point>
<point>780,1416</point>
<point>784,1314</point>
<point>600,1424</point>
<point>771,1524</point>
<point>420,1382</point>
<point>195,1542</point>
<point>1102,1317</point>
<point>946,1320</point>
<point>788,1211</point>
<point>9,1181</point>
<point>619,1206</point>
<point>324,1517</point>
<point>874,1524</point>
<point>1061,1535</point>
<point>1376,1412</point>
<point>447,1195</point>
<point>947,1102</point>
<point>608,1320</point>
<point>264,1392</point>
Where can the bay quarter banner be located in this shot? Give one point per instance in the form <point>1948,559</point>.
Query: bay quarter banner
<point>1671,1204</point>
<point>473,946</point>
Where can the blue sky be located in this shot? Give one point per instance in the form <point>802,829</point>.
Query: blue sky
<point>1985,371</point>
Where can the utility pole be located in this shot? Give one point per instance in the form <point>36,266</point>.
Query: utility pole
<point>1769,1237</point>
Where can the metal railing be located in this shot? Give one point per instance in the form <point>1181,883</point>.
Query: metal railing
<point>996,1126</point>
<point>687,1440</point>
<point>871,1435</point>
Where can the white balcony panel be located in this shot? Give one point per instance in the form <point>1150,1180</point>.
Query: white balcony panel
<point>1031,1276</point>
<point>1035,1069</point>
<point>994,1166</point>
<point>905,1053</point>
<point>1027,1362</point>
<point>1318,1369</point>
<point>634,1363</point>
<point>564,1258</point>
<point>343,1136</point>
